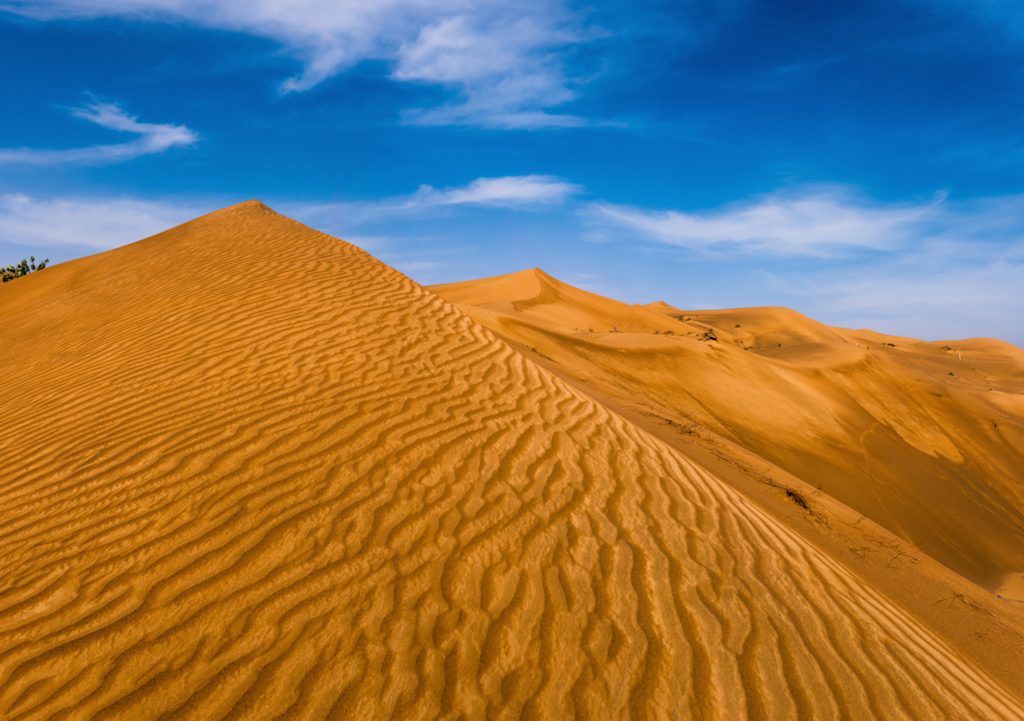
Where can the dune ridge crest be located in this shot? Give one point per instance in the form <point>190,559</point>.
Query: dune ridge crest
<point>271,477</point>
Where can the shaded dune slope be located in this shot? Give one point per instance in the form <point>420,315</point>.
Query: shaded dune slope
<point>926,439</point>
<point>250,472</point>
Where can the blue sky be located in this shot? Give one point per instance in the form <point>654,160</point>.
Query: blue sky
<point>862,162</point>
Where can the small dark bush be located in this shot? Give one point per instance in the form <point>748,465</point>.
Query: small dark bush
<point>21,269</point>
<point>798,499</point>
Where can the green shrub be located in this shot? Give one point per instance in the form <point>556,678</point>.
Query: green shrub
<point>23,268</point>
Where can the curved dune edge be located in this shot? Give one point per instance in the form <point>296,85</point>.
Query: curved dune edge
<point>251,472</point>
<point>925,438</point>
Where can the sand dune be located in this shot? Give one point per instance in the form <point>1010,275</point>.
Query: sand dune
<point>250,472</point>
<point>927,439</point>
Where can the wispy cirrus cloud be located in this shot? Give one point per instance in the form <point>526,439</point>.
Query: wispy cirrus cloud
<point>507,81</point>
<point>151,138</point>
<point>940,268</point>
<point>506,191</point>
<point>501,57</point>
<point>809,222</point>
<point>107,222</point>
<point>517,192</point>
<point>973,297</point>
<point>959,276</point>
<point>87,222</point>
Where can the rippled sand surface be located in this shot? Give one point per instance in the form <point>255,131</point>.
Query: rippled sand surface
<point>250,472</point>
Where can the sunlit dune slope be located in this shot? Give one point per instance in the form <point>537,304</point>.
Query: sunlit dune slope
<point>249,472</point>
<point>925,438</point>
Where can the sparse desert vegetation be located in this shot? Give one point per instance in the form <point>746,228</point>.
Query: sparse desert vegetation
<point>21,269</point>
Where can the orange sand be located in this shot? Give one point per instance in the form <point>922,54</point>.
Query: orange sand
<point>927,439</point>
<point>249,472</point>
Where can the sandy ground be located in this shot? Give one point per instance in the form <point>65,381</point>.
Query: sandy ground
<point>927,439</point>
<point>249,472</point>
<point>779,405</point>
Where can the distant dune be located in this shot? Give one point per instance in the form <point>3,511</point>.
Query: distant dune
<point>925,438</point>
<point>885,452</point>
<point>249,472</point>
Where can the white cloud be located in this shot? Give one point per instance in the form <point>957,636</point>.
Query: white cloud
<point>939,269</point>
<point>508,191</point>
<point>947,269</point>
<point>152,138</point>
<point>959,277</point>
<point>814,223</point>
<point>105,222</point>
<point>99,223</point>
<point>501,56</point>
<point>969,298</point>
<point>521,192</point>
<point>506,71</point>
